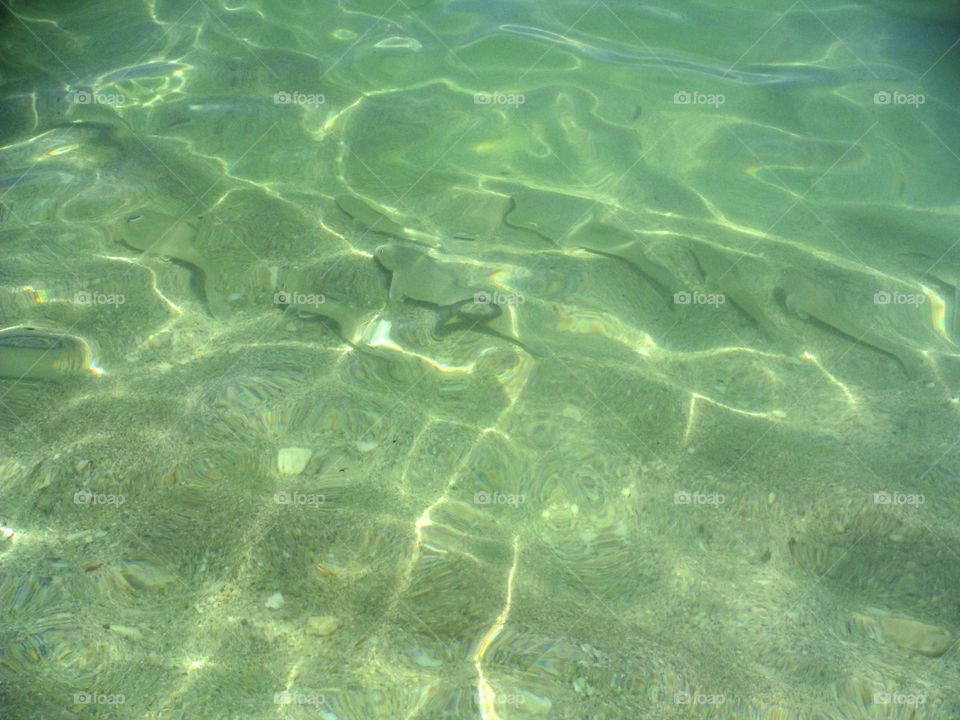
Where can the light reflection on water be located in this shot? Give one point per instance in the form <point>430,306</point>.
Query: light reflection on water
<point>449,360</point>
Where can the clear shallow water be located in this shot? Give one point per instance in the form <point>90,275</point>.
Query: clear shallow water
<point>466,360</point>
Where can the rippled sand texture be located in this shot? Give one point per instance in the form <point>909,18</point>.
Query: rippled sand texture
<point>479,360</point>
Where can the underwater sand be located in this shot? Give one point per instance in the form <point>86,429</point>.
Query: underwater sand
<point>452,360</point>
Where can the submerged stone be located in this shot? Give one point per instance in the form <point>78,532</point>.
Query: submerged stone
<point>637,256</point>
<point>293,460</point>
<point>144,575</point>
<point>459,301</point>
<point>368,216</point>
<point>736,277</point>
<point>415,275</point>
<point>37,354</point>
<point>323,625</point>
<point>820,301</point>
<point>158,233</point>
<point>929,640</point>
<point>274,602</point>
<point>347,289</point>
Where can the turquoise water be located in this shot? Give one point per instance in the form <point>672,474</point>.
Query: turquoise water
<point>499,360</point>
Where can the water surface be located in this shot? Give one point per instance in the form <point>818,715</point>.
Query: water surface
<point>493,360</point>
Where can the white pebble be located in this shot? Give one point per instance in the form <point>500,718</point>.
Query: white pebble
<point>292,460</point>
<point>322,625</point>
<point>275,601</point>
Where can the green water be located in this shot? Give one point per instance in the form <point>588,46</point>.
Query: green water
<point>498,360</point>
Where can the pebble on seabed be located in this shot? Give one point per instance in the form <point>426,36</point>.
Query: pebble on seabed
<point>143,575</point>
<point>322,625</point>
<point>292,460</point>
<point>275,601</point>
<point>929,640</point>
